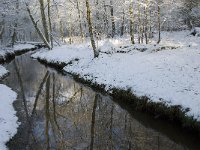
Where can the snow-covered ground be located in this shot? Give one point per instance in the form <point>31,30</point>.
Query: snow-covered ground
<point>3,71</point>
<point>4,52</point>
<point>169,72</point>
<point>8,119</point>
<point>20,47</point>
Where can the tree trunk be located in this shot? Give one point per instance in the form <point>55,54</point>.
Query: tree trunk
<point>50,26</point>
<point>96,52</point>
<point>123,22</point>
<point>37,29</point>
<point>159,25</point>
<point>131,22</point>
<point>105,19</point>
<point>47,113</point>
<point>14,35</point>
<point>112,18</point>
<point>146,21</point>
<point>80,24</point>
<point>1,34</point>
<point>93,122</point>
<point>142,36</point>
<point>150,26</point>
<point>60,22</point>
<point>44,21</point>
<point>70,29</point>
<point>139,23</point>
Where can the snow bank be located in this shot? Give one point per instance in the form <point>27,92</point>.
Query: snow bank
<point>65,53</point>
<point>20,47</point>
<point>3,71</point>
<point>107,47</point>
<point>171,76</point>
<point>7,53</point>
<point>8,119</point>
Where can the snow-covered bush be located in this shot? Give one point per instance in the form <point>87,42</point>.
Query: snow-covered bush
<point>107,47</point>
<point>195,31</point>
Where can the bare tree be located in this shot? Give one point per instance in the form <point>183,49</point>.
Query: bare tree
<point>37,28</point>
<point>50,26</point>
<point>112,18</point>
<point>131,22</point>
<point>159,22</point>
<point>79,16</point>
<point>96,52</point>
<point>44,21</point>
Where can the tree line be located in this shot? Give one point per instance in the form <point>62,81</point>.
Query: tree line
<point>56,21</point>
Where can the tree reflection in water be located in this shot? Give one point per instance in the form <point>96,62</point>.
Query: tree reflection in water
<point>63,114</point>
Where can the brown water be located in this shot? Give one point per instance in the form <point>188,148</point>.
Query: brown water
<point>56,112</point>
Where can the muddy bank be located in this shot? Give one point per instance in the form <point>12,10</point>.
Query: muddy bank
<point>174,114</point>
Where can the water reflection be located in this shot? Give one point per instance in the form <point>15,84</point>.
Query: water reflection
<point>58,113</point>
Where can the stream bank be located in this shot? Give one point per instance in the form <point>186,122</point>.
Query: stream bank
<point>174,114</point>
<point>57,112</point>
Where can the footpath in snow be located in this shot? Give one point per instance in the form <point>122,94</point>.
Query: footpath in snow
<point>168,73</point>
<point>8,118</point>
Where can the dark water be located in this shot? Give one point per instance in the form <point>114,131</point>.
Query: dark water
<point>58,113</point>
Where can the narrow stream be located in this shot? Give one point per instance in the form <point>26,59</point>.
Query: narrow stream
<point>56,112</point>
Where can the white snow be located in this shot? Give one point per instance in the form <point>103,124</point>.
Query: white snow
<point>20,47</point>
<point>65,53</point>
<point>170,76</point>
<point>3,71</point>
<point>8,119</point>
<point>4,51</point>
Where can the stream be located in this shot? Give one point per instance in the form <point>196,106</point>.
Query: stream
<point>58,113</point>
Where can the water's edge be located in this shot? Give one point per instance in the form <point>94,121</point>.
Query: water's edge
<point>125,100</point>
<point>173,114</point>
<point>11,56</point>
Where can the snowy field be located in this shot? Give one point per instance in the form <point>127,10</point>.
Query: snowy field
<point>8,119</point>
<point>169,72</point>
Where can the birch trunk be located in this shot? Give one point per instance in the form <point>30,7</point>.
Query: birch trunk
<point>96,52</point>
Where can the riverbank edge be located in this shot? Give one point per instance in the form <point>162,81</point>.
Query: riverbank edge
<point>7,59</point>
<point>175,114</point>
<point>10,56</point>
